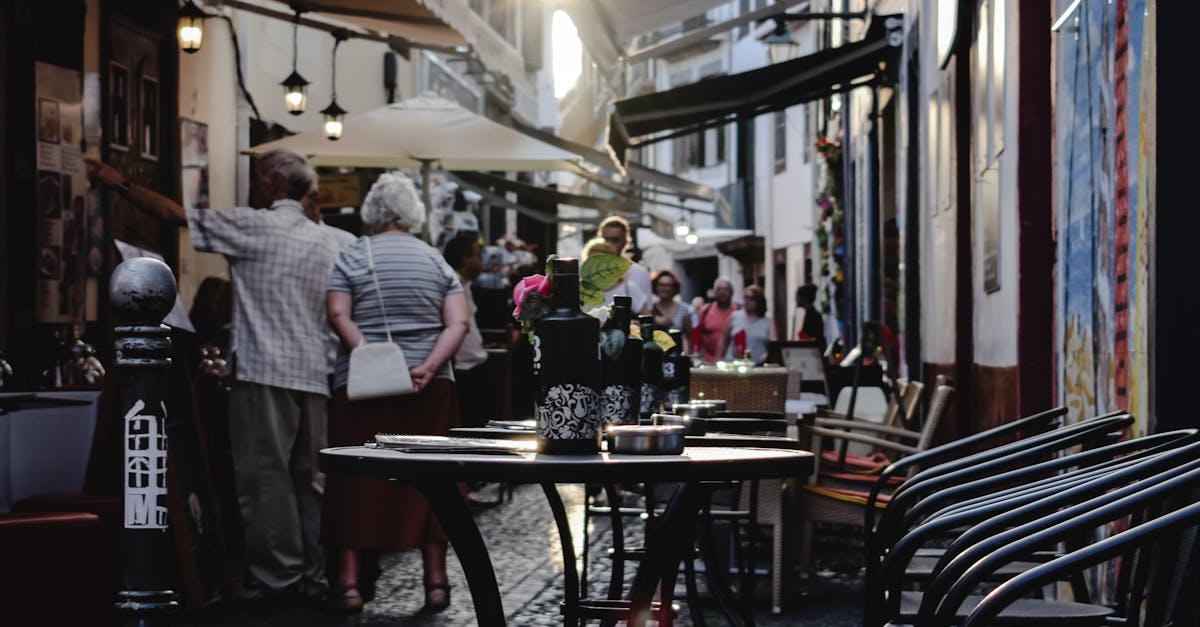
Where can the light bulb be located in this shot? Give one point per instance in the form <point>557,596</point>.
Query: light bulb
<point>190,37</point>
<point>682,229</point>
<point>333,129</point>
<point>691,238</point>
<point>294,98</point>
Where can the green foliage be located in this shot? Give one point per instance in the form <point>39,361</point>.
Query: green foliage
<point>597,274</point>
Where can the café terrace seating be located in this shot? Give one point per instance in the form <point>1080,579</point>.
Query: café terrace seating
<point>1031,525</point>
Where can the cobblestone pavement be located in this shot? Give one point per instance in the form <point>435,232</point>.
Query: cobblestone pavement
<point>524,549</point>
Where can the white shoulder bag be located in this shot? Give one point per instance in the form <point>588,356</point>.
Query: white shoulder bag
<point>378,369</point>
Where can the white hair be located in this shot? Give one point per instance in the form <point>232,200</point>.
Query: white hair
<point>393,200</point>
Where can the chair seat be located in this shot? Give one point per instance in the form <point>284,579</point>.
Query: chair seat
<point>859,478</point>
<point>862,464</point>
<point>847,495</point>
<point>1021,612</point>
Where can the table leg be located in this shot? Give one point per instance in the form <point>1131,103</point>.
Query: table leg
<point>676,538</point>
<point>451,509</point>
<point>570,575</point>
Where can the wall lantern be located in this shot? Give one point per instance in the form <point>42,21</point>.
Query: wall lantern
<point>191,27</point>
<point>333,113</point>
<point>295,88</point>
<point>780,45</point>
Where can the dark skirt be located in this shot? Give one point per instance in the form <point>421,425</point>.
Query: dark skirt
<point>360,513</point>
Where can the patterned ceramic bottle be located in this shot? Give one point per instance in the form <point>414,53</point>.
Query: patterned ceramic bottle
<point>622,372</point>
<point>566,359</point>
<point>677,373</point>
<point>652,369</point>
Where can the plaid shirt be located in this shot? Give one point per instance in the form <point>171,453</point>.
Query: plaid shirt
<point>279,263</point>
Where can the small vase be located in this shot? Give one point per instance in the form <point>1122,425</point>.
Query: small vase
<point>621,372</point>
<point>566,364</point>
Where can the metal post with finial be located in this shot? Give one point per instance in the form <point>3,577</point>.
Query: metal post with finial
<point>142,291</point>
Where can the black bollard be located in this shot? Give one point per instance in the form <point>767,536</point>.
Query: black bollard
<point>142,291</point>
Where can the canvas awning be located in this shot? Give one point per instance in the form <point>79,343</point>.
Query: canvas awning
<point>442,25</point>
<point>723,99</point>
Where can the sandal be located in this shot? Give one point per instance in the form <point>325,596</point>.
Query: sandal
<point>437,596</point>
<point>349,601</point>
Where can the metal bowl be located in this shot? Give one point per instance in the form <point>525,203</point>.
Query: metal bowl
<point>695,409</point>
<point>717,405</point>
<point>692,425</point>
<point>645,439</point>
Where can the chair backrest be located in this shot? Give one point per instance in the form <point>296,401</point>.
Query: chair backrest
<point>1151,496</point>
<point>1129,462</point>
<point>938,404</point>
<point>1176,528</point>
<point>1117,466</point>
<point>806,367</point>
<point>980,465</point>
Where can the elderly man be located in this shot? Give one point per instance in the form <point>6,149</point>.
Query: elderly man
<point>279,262</point>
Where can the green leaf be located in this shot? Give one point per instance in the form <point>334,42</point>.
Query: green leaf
<point>611,342</point>
<point>664,341</point>
<point>589,295</point>
<point>602,271</point>
<point>550,266</point>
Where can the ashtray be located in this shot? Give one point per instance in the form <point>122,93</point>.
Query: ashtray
<point>645,439</point>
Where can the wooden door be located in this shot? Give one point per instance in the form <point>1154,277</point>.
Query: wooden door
<point>136,98</point>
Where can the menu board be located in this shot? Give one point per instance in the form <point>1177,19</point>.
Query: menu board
<point>62,219</point>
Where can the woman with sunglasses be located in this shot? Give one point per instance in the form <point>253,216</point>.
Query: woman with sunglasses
<point>750,328</point>
<point>669,312</point>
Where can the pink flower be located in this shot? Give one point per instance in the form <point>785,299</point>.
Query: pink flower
<point>533,283</point>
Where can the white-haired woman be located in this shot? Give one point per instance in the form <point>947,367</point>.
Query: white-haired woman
<point>427,316</point>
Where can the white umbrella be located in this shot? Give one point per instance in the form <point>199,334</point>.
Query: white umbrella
<point>425,130</point>
<point>420,133</point>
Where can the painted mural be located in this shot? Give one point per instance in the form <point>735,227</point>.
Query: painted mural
<point>1104,79</point>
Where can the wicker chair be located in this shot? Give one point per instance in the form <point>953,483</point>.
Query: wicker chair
<point>756,389</point>
<point>840,497</point>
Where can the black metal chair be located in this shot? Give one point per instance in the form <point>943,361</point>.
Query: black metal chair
<point>1093,473</point>
<point>1151,504</point>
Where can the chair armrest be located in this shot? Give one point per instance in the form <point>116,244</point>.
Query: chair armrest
<point>858,437</point>
<point>859,425</point>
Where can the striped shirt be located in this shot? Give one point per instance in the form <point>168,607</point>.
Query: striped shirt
<point>279,264</point>
<point>415,281</point>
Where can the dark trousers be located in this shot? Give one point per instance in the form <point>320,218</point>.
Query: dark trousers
<point>473,406</point>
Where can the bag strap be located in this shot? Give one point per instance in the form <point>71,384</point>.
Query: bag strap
<point>378,292</point>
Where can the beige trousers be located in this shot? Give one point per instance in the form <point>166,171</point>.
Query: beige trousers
<point>275,434</point>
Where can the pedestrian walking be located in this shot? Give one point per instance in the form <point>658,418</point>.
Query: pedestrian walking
<point>420,301</point>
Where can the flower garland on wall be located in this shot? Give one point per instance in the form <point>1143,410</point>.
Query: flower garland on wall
<point>831,238</point>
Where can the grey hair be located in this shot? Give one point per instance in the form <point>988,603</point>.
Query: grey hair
<point>299,178</point>
<point>393,200</point>
<point>723,279</point>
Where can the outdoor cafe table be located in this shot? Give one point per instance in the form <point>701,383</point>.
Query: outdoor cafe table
<point>436,473</point>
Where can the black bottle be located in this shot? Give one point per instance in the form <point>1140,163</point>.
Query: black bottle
<point>566,363</point>
<point>677,373</point>
<point>622,373</point>
<point>652,370</point>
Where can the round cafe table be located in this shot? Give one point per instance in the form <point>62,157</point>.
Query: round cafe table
<point>435,470</point>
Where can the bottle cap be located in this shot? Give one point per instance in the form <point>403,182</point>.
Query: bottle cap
<point>623,301</point>
<point>565,265</point>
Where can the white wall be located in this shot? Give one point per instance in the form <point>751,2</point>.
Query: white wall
<point>937,221</point>
<point>996,313</point>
